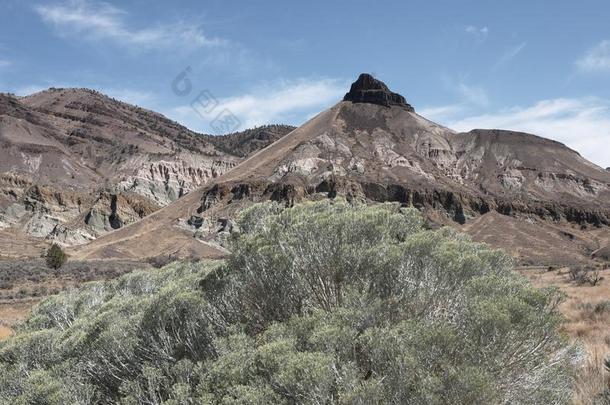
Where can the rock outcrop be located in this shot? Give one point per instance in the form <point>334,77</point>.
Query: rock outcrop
<point>602,253</point>
<point>367,89</point>
<point>67,154</point>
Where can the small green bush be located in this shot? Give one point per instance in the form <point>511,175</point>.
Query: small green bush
<point>55,257</point>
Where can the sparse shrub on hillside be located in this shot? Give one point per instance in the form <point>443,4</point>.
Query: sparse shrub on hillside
<point>55,257</point>
<point>596,309</point>
<point>320,303</point>
<point>14,272</point>
<point>595,277</point>
<point>161,260</point>
<point>582,275</point>
<point>602,307</point>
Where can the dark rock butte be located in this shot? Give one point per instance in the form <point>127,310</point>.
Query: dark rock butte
<point>367,89</point>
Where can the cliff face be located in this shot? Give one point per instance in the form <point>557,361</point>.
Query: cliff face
<point>166,179</point>
<point>66,216</point>
<point>76,164</point>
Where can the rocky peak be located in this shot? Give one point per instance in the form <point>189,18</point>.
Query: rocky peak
<point>367,89</point>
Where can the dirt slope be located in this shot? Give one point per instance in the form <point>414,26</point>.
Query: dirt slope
<point>76,164</point>
<point>491,182</point>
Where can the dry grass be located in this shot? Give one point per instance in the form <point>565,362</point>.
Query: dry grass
<point>12,313</point>
<point>587,312</point>
<point>23,283</point>
<point>592,378</point>
<point>5,331</point>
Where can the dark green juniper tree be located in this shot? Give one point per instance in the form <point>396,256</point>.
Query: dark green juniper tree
<point>55,257</point>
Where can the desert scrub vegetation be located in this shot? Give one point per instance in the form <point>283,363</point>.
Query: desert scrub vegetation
<point>31,278</point>
<point>320,303</point>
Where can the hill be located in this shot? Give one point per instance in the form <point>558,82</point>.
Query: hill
<point>76,164</point>
<point>374,147</point>
<point>246,142</point>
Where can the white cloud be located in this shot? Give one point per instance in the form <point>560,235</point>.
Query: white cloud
<point>480,33</point>
<point>470,97</point>
<point>281,102</point>
<point>102,21</point>
<point>510,54</point>
<point>583,124</point>
<point>596,59</point>
<point>472,94</point>
<point>441,113</point>
<point>4,63</point>
<point>469,94</point>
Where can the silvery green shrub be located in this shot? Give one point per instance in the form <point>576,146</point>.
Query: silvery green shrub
<point>322,303</point>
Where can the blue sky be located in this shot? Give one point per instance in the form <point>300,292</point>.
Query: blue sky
<point>542,67</point>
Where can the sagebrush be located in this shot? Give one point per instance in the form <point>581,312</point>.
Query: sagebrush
<point>323,303</point>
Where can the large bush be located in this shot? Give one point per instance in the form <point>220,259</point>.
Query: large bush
<point>318,304</point>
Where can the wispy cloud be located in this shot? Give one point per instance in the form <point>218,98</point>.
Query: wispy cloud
<point>510,54</point>
<point>102,21</point>
<point>581,123</point>
<point>472,94</point>
<point>479,33</point>
<point>470,98</point>
<point>4,63</point>
<point>441,113</point>
<point>596,59</point>
<point>286,101</point>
